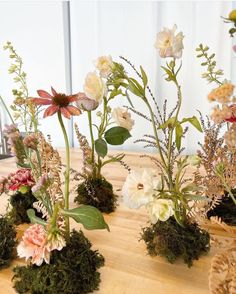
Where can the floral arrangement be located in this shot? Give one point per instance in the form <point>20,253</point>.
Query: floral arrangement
<point>94,189</point>
<point>48,243</point>
<point>166,193</point>
<point>219,161</point>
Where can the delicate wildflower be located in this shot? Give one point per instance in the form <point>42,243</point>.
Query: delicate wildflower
<point>104,65</point>
<point>160,209</point>
<point>222,94</point>
<point>169,44</point>
<point>123,118</point>
<point>139,188</point>
<point>58,103</point>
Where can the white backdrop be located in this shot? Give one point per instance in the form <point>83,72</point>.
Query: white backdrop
<point>126,28</point>
<point>129,28</point>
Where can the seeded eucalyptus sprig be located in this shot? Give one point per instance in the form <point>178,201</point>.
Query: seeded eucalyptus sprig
<point>212,74</point>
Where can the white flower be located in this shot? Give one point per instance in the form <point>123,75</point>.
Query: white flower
<point>139,188</point>
<point>94,87</point>
<point>104,65</point>
<point>160,209</point>
<point>169,44</point>
<point>123,118</point>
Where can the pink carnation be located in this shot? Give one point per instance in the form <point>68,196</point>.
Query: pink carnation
<point>22,177</point>
<point>33,245</point>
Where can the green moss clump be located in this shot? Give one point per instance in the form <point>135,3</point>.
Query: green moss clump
<point>226,210</point>
<point>20,204</point>
<point>73,270</point>
<point>7,242</point>
<point>172,241</point>
<point>98,193</point>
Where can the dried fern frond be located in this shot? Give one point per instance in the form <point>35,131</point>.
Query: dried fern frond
<point>222,278</point>
<point>86,151</point>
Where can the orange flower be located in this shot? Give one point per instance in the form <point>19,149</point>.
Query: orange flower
<point>58,102</point>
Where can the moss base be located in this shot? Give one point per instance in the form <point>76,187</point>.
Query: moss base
<point>73,270</point>
<point>7,242</point>
<point>20,204</point>
<point>226,210</point>
<point>170,240</point>
<point>98,193</point>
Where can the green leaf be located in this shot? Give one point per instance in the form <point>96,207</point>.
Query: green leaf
<point>144,76</point>
<point>178,135</point>
<point>89,216</point>
<point>101,147</point>
<point>134,89</point>
<point>115,93</point>
<point>197,197</point>
<point>168,124</point>
<point>190,187</point>
<point>194,121</point>
<point>128,98</point>
<point>34,219</point>
<point>117,135</point>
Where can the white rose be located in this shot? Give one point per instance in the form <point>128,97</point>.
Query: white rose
<point>94,87</point>
<point>104,65</point>
<point>123,118</point>
<point>160,209</point>
<point>169,44</point>
<point>139,188</point>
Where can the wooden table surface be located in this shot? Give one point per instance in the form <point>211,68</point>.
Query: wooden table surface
<point>128,269</point>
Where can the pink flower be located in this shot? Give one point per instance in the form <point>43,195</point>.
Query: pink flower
<point>34,245</point>
<point>58,103</point>
<point>22,177</point>
<point>234,48</point>
<point>37,245</point>
<point>86,103</point>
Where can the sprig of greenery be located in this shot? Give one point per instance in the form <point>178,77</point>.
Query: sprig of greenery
<point>212,74</point>
<point>22,105</point>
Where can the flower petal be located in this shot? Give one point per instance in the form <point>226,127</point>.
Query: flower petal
<point>44,94</point>
<point>41,101</point>
<point>65,112</point>
<point>54,92</point>
<point>51,110</point>
<point>73,98</point>
<point>73,110</point>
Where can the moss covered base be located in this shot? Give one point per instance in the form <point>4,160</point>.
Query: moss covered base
<point>226,210</point>
<point>170,240</point>
<point>73,270</point>
<point>20,204</point>
<point>7,242</point>
<point>98,193</point>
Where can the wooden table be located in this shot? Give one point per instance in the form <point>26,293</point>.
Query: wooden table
<point>128,269</point>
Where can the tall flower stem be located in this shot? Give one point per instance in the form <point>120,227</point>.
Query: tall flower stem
<point>7,110</point>
<point>67,172</point>
<point>92,139</point>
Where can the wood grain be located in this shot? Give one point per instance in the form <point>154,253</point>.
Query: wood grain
<point>128,269</point>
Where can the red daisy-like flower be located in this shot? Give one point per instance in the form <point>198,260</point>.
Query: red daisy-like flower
<point>58,102</point>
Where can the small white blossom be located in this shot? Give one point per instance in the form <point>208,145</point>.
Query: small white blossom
<point>123,118</point>
<point>160,209</point>
<point>104,65</point>
<point>169,44</point>
<point>139,188</point>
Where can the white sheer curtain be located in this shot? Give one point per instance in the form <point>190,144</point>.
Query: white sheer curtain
<point>129,28</point>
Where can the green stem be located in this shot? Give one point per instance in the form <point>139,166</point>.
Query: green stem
<point>67,173</point>
<point>227,188</point>
<point>92,139</point>
<point>7,110</point>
